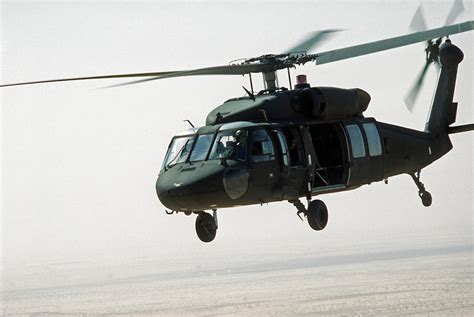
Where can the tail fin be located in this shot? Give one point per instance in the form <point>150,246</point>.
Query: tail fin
<point>443,110</point>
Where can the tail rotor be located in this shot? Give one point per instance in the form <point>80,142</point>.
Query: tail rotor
<point>418,24</point>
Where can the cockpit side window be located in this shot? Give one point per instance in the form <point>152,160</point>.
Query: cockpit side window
<point>201,149</point>
<point>262,146</point>
<point>178,150</point>
<point>230,144</point>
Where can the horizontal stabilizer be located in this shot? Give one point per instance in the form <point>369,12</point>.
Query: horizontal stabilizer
<point>461,128</point>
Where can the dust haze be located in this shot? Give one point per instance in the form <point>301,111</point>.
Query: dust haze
<point>83,232</point>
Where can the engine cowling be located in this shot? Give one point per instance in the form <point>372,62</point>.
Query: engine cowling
<point>330,102</point>
<point>302,103</point>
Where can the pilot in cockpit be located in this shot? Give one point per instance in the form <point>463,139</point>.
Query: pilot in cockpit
<point>234,146</point>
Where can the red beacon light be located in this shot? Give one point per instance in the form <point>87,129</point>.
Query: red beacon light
<point>301,82</point>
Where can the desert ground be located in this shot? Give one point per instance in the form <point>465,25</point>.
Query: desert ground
<point>373,279</point>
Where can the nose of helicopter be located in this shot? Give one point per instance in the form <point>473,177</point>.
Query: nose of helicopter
<point>191,187</point>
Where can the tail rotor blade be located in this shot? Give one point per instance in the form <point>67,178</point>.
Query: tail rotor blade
<point>311,41</point>
<point>411,97</point>
<point>456,10</point>
<point>418,23</point>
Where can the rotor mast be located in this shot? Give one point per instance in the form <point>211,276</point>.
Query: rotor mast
<point>270,80</point>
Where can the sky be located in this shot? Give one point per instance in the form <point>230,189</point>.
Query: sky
<point>79,163</point>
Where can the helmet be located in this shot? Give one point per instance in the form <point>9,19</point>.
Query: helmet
<point>240,135</point>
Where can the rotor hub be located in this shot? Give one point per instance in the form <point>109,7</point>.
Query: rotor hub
<point>450,54</point>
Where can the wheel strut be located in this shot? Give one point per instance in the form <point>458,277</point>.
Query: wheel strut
<point>425,196</point>
<point>316,213</point>
<point>214,215</point>
<point>300,207</point>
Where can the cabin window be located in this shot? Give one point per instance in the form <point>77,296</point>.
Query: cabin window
<point>262,146</point>
<point>178,151</point>
<point>230,144</point>
<point>284,147</point>
<point>202,147</point>
<point>357,142</point>
<point>373,139</point>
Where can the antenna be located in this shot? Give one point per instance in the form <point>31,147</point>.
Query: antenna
<point>250,93</point>
<point>190,123</point>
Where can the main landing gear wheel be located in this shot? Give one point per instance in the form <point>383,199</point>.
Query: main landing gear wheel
<point>317,215</point>
<point>206,227</point>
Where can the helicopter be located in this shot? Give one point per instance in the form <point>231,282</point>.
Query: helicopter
<point>288,144</point>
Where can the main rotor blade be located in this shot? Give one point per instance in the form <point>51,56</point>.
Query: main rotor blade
<point>394,42</point>
<point>418,22</point>
<point>311,41</point>
<point>456,10</point>
<point>415,89</point>
<point>240,69</point>
<point>88,78</point>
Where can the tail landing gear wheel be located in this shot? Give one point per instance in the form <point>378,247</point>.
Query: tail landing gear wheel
<point>317,215</point>
<point>206,228</point>
<point>426,198</point>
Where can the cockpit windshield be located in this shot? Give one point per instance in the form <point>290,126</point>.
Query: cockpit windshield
<point>201,149</point>
<point>178,150</point>
<point>230,144</point>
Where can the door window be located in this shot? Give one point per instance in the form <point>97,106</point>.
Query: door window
<point>262,146</point>
<point>373,139</point>
<point>230,144</point>
<point>357,142</point>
